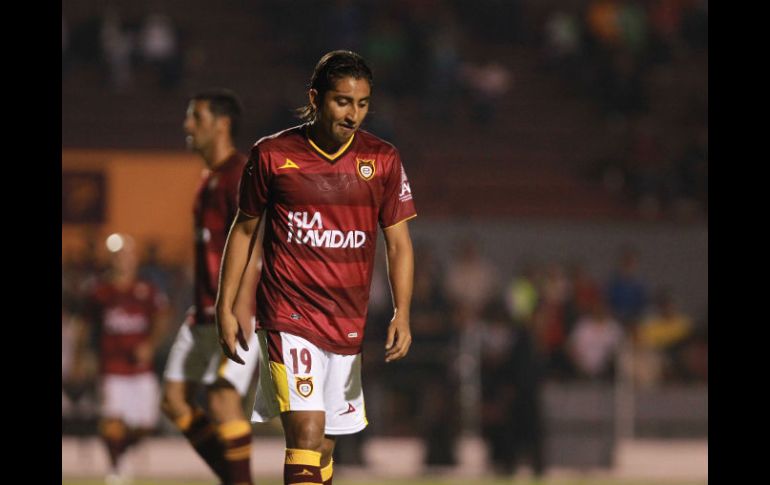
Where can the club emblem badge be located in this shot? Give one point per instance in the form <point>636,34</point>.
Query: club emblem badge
<point>365,168</point>
<point>305,386</point>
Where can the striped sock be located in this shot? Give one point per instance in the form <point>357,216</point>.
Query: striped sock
<point>302,467</point>
<point>326,473</point>
<point>236,436</point>
<point>201,434</point>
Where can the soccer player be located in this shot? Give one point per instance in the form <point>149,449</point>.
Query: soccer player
<point>323,188</point>
<point>128,319</point>
<point>222,437</point>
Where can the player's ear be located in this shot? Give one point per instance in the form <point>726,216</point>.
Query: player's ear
<point>312,96</point>
<point>224,122</point>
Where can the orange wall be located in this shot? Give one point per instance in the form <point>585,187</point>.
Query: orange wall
<point>149,196</point>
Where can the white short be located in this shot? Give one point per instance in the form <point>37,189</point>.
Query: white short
<point>295,375</point>
<point>134,399</point>
<point>197,357</point>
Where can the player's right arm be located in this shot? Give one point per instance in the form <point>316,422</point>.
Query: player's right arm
<point>239,267</point>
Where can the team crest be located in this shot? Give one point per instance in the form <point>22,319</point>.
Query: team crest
<point>305,386</point>
<point>365,168</point>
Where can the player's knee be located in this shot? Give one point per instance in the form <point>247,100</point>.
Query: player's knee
<point>173,403</point>
<point>112,429</point>
<point>307,435</point>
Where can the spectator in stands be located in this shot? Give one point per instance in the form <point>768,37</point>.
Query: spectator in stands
<point>594,343</point>
<point>511,375</point>
<point>659,340</point>
<point>159,48</point>
<point>442,80</point>
<point>431,330</point>
<point>551,325</point>
<point>471,281</point>
<point>632,19</point>
<point>563,42</point>
<point>626,291</point>
<point>487,82</point>
<point>522,296</point>
<point>585,293</point>
<point>117,47</point>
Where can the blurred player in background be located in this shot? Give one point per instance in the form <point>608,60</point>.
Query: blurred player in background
<point>221,436</point>
<point>324,187</point>
<point>128,318</point>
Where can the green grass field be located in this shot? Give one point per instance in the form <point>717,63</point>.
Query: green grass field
<point>426,481</point>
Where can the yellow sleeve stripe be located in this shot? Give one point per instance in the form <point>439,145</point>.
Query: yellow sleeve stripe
<point>295,456</point>
<point>402,220</point>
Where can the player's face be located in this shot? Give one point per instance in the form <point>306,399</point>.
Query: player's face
<point>342,109</point>
<point>125,261</point>
<point>199,126</point>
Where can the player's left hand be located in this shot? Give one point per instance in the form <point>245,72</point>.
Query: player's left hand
<point>399,339</point>
<point>229,331</point>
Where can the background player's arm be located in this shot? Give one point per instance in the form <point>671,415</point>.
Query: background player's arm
<point>145,351</point>
<point>237,255</point>
<point>400,273</point>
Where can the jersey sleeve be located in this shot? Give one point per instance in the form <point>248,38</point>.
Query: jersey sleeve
<point>397,204</point>
<point>255,183</point>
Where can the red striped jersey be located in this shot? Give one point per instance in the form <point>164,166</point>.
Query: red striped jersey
<point>322,212</point>
<point>216,204</point>
<point>124,319</point>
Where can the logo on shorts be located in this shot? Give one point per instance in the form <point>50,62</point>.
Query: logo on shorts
<point>305,386</point>
<point>351,409</point>
<point>295,316</point>
<point>365,168</point>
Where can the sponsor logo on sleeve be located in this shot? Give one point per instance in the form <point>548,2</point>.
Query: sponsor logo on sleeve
<point>406,190</point>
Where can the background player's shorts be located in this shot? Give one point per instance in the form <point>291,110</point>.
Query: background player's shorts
<point>135,399</point>
<point>196,356</point>
<point>295,375</point>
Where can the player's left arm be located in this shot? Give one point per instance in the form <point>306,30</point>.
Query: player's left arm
<point>160,317</point>
<point>400,273</point>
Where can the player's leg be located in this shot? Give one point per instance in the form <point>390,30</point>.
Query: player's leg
<point>184,370</point>
<point>305,443</point>
<point>227,383</point>
<point>294,387</point>
<point>114,434</point>
<point>344,401</point>
<point>112,425</point>
<point>327,450</point>
<point>142,411</point>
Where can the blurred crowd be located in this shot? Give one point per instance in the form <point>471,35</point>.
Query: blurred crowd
<point>124,48</point>
<point>644,65</point>
<point>485,343</point>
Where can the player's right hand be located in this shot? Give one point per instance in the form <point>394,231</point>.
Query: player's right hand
<point>229,331</point>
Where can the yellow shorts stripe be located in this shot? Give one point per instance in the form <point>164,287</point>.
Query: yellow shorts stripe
<point>281,382</point>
